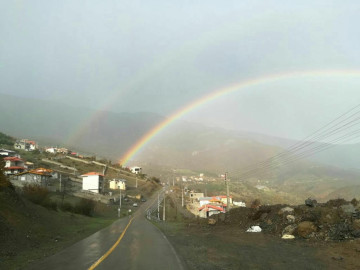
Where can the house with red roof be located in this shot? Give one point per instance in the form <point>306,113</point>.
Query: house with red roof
<point>39,176</point>
<point>14,165</point>
<point>93,182</point>
<point>208,210</point>
<point>26,145</point>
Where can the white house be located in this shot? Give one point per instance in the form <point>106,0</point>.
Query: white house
<point>51,150</point>
<point>7,153</point>
<point>92,182</point>
<point>118,184</point>
<point>26,145</point>
<point>204,200</point>
<point>14,165</point>
<point>209,210</point>
<point>136,170</point>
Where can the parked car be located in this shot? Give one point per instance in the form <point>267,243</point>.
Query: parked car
<point>135,204</point>
<point>143,200</point>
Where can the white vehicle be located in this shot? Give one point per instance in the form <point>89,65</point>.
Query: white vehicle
<point>135,204</point>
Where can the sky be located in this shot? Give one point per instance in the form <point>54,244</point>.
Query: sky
<point>157,56</point>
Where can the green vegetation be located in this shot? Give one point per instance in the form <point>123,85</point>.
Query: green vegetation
<point>30,231</point>
<point>6,140</point>
<point>38,195</point>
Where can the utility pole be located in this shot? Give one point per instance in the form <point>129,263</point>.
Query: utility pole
<point>119,210</point>
<point>164,208</point>
<point>158,206</point>
<point>182,196</point>
<point>60,183</point>
<point>227,194</point>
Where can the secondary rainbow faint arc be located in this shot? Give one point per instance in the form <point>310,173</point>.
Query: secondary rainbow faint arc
<point>223,91</point>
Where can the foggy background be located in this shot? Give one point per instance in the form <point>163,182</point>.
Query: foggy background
<point>156,56</point>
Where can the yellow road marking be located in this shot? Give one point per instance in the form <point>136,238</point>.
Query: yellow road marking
<point>103,257</point>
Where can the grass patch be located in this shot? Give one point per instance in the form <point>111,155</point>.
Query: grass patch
<point>30,232</point>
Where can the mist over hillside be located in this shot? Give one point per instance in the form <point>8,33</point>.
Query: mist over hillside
<point>182,144</point>
<point>104,133</point>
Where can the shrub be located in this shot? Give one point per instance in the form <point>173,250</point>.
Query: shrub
<point>39,195</point>
<point>85,207</point>
<point>67,207</point>
<point>155,179</point>
<point>35,193</point>
<point>256,203</point>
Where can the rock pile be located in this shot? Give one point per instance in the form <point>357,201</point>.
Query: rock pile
<point>334,220</point>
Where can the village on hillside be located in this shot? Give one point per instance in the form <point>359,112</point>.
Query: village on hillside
<point>63,170</point>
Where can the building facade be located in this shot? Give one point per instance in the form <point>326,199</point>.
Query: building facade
<point>93,182</point>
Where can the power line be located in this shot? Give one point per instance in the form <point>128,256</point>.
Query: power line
<point>325,132</point>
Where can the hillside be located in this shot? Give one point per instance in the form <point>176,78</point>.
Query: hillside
<point>104,133</point>
<point>213,152</point>
<point>345,156</point>
<point>111,134</point>
<point>182,145</point>
<point>29,232</point>
<point>6,140</point>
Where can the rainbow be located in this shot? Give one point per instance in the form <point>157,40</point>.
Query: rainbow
<point>134,149</point>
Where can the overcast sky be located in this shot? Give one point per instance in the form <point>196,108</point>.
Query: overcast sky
<point>157,56</point>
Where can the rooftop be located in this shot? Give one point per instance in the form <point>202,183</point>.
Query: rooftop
<point>13,159</point>
<point>92,173</point>
<point>207,206</point>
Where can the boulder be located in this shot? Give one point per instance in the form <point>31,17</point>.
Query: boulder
<point>290,218</point>
<point>290,229</point>
<point>254,229</point>
<point>355,233</point>
<point>348,209</point>
<point>288,236</point>
<point>356,224</point>
<point>286,209</point>
<point>211,221</point>
<point>306,228</point>
<point>311,203</point>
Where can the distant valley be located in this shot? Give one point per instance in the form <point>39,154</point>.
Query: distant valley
<point>182,145</point>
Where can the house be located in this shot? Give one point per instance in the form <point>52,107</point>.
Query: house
<point>26,145</point>
<point>118,184</point>
<point>39,176</point>
<point>195,196</point>
<point>51,150</point>
<point>223,199</point>
<point>93,182</point>
<point>136,170</point>
<point>204,200</point>
<point>29,165</point>
<point>7,153</point>
<point>211,200</point>
<point>63,150</point>
<point>208,210</point>
<point>14,165</point>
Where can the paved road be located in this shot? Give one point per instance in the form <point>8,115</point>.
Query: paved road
<point>143,246</point>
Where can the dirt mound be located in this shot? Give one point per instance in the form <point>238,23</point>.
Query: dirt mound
<point>334,220</point>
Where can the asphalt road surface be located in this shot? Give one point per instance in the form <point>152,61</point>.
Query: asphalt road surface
<point>140,245</point>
